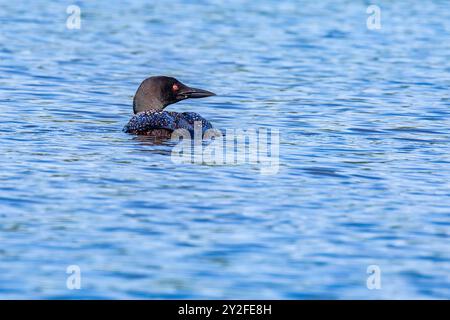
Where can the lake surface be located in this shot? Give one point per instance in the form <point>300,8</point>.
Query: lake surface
<point>364,154</point>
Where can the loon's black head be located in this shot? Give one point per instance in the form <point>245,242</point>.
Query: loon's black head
<point>156,93</point>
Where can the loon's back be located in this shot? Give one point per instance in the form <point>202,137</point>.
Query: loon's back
<point>163,123</point>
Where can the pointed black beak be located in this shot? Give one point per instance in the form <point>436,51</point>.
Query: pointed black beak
<point>187,92</point>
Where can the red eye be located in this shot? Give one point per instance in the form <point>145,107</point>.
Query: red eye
<point>175,87</point>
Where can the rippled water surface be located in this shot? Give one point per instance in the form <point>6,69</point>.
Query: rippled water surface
<point>364,176</point>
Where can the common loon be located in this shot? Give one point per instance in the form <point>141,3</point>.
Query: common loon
<point>152,96</point>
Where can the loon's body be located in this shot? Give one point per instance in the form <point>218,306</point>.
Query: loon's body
<point>163,123</point>
<point>152,96</point>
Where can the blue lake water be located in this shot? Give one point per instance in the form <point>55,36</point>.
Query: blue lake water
<point>364,173</point>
